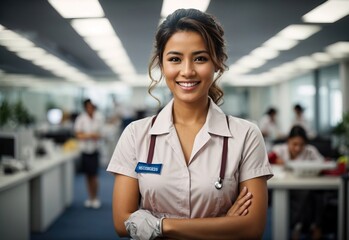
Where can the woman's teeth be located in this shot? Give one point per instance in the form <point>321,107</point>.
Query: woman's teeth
<point>188,84</point>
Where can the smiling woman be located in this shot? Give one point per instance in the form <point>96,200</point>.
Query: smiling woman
<point>197,173</point>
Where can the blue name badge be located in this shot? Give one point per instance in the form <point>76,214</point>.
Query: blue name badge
<point>148,168</point>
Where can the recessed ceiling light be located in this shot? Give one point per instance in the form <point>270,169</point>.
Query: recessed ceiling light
<point>338,49</point>
<point>251,61</point>
<point>78,8</point>
<point>92,27</point>
<point>239,69</point>
<point>103,42</point>
<point>322,57</point>
<point>265,53</point>
<point>299,32</point>
<point>328,12</point>
<point>169,6</point>
<point>280,43</point>
<point>306,62</point>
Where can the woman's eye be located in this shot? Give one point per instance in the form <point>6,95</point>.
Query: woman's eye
<point>174,59</point>
<point>201,59</point>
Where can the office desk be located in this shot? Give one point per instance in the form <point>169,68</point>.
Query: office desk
<point>32,200</point>
<point>281,183</point>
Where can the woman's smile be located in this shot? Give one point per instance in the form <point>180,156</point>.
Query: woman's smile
<point>188,85</point>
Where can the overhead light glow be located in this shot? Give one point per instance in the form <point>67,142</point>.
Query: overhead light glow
<point>322,57</point>
<point>31,53</point>
<point>338,49</point>
<point>92,27</point>
<point>328,12</point>
<point>239,69</point>
<point>306,62</point>
<point>251,61</point>
<point>265,53</point>
<point>78,8</point>
<point>299,32</point>
<point>169,6</point>
<point>103,42</point>
<point>280,43</point>
<point>26,49</point>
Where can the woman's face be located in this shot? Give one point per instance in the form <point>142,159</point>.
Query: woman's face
<point>187,67</point>
<point>295,146</point>
<point>89,109</point>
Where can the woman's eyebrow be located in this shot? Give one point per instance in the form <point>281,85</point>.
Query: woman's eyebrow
<point>194,53</point>
<point>174,53</point>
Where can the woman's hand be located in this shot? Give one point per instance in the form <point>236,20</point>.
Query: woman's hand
<point>241,205</point>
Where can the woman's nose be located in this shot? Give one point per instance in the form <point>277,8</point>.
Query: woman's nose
<point>187,70</point>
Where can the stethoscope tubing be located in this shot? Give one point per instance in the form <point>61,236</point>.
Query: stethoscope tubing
<point>219,183</point>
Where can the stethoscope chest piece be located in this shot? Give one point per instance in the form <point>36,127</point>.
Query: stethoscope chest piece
<point>219,183</point>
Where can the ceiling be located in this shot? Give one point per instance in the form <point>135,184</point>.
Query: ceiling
<point>247,24</point>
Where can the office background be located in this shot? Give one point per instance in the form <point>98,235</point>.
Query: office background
<point>280,53</point>
<point>261,72</point>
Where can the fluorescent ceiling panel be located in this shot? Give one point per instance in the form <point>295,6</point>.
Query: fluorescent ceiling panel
<point>338,49</point>
<point>31,54</point>
<point>92,27</point>
<point>322,57</point>
<point>299,32</point>
<point>251,61</point>
<point>103,42</point>
<point>328,12</point>
<point>78,8</point>
<point>306,62</point>
<point>239,69</point>
<point>265,53</point>
<point>280,43</point>
<point>169,6</point>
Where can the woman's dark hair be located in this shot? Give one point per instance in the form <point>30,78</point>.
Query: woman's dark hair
<point>298,108</point>
<point>87,101</point>
<point>196,21</point>
<point>271,111</point>
<point>298,131</point>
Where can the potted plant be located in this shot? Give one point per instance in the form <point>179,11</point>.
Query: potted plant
<point>341,130</point>
<point>5,113</point>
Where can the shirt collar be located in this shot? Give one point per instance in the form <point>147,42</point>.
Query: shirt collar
<point>216,122</point>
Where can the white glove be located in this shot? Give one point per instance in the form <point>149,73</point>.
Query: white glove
<point>142,225</point>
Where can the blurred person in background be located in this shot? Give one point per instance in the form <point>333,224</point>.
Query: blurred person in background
<point>300,120</point>
<point>269,127</point>
<point>307,207</point>
<point>88,130</point>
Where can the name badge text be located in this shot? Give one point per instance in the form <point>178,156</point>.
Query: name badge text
<point>148,168</point>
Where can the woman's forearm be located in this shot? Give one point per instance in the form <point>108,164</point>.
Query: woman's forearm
<point>241,227</point>
<point>250,226</point>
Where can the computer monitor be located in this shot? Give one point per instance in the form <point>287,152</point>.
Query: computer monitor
<point>8,145</point>
<point>13,143</point>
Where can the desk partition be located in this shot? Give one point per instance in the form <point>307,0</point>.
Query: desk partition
<point>32,200</point>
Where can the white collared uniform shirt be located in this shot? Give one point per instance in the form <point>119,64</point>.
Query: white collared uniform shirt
<point>84,123</point>
<point>188,191</point>
<point>309,153</point>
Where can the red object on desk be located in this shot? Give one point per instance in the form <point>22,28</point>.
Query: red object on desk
<point>272,157</point>
<point>339,170</point>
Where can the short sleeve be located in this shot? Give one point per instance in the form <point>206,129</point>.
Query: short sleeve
<point>254,162</point>
<point>124,158</point>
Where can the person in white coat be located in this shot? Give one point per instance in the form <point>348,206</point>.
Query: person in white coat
<point>88,130</point>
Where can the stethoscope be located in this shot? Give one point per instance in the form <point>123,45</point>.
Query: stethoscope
<point>219,183</point>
